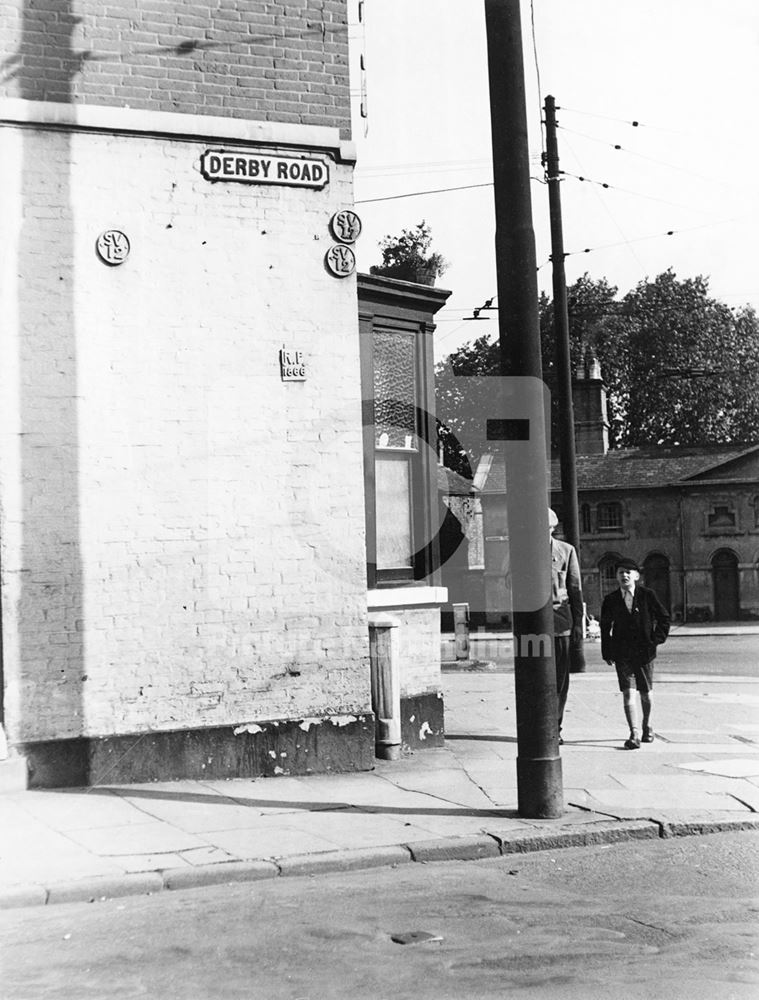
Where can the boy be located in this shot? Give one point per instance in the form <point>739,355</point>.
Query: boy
<point>633,623</point>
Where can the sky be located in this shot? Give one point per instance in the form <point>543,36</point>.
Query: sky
<point>686,70</point>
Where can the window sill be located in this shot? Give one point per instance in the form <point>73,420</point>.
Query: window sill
<point>394,597</point>
<point>605,533</point>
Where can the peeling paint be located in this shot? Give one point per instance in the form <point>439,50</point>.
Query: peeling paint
<point>251,727</point>
<point>273,754</point>
<point>343,720</point>
<point>425,731</point>
<point>307,723</point>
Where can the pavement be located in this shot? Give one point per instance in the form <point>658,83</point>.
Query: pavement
<point>456,802</point>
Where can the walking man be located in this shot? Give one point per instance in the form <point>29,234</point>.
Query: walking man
<point>633,623</point>
<point>566,586</point>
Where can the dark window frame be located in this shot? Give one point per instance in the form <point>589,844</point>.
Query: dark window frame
<point>605,523</point>
<point>389,306</point>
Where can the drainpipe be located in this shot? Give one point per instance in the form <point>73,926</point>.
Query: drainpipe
<point>386,686</point>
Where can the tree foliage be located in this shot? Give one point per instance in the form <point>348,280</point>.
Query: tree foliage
<point>679,366</point>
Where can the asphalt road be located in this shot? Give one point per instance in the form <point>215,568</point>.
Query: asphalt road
<point>707,655</point>
<point>663,920</point>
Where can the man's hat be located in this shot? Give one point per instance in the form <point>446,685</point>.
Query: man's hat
<point>553,520</point>
<point>628,564</point>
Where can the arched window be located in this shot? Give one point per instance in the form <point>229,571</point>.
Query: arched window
<point>607,568</point>
<point>586,524</point>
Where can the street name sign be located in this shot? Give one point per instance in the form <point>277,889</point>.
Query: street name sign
<point>260,168</point>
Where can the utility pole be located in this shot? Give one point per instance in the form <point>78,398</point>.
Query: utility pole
<point>570,513</point>
<point>539,781</point>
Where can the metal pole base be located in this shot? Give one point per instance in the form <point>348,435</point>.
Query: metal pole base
<point>540,789</point>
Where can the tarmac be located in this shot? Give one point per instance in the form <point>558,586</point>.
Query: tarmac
<point>456,802</point>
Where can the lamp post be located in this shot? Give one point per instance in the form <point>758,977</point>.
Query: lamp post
<point>539,781</point>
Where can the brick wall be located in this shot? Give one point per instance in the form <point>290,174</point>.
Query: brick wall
<point>182,532</point>
<point>265,61</point>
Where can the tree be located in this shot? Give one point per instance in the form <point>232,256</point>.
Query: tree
<point>462,405</point>
<point>691,365</point>
<point>408,256</point>
<point>679,366</point>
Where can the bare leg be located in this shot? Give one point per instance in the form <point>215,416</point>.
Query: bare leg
<point>645,702</point>
<point>631,709</point>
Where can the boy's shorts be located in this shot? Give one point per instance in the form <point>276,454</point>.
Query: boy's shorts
<point>632,675</point>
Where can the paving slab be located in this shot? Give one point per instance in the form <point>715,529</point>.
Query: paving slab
<point>150,837</point>
<point>204,813</point>
<point>631,800</point>
<point>271,839</point>
<point>270,794</point>
<point>701,775</point>
<point>741,767</point>
<point>77,808</point>
<point>355,828</point>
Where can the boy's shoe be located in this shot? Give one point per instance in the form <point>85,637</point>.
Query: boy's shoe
<point>633,743</point>
<point>648,736</point>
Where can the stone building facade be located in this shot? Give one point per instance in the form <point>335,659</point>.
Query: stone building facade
<point>688,515</point>
<point>182,522</point>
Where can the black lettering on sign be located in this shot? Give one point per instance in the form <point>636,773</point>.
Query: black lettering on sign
<point>222,165</point>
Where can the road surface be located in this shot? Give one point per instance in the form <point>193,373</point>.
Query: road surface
<point>663,920</point>
<point>706,655</point>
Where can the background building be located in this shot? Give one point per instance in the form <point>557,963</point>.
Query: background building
<point>688,515</point>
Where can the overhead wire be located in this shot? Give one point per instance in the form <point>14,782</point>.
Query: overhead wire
<point>537,78</point>
<point>620,121</point>
<point>651,159</point>
<point>641,239</point>
<point>637,194</point>
<point>614,221</point>
<point>416,194</point>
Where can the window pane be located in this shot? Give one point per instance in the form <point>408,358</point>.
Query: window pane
<point>585,519</point>
<point>394,390</point>
<point>609,516</point>
<point>393,505</point>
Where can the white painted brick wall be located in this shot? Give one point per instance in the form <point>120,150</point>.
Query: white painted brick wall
<point>182,532</point>
<point>418,649</point>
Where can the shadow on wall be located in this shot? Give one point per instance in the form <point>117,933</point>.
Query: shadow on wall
<point>47,565</point>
